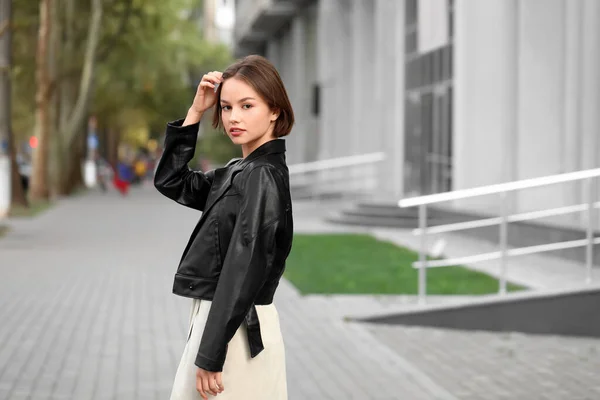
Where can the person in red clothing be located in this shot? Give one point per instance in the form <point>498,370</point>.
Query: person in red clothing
<point>120,182</point>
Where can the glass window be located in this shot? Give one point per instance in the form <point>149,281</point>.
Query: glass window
<point>428,111</point>
<point>411,12</point>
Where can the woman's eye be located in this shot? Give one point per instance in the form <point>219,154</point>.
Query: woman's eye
<point>247,106</point>
<point>225,108</point>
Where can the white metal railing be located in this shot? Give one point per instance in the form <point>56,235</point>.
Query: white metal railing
<point>342,174</point>
<point>503,253</point>
<point>339,162</point>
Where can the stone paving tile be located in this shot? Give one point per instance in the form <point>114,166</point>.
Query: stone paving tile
<point>477,365</point>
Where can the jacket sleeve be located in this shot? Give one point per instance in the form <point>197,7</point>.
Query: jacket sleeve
<point>173,177</point>
<point>245,267</point>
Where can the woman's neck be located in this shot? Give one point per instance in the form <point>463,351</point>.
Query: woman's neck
<point>248,148</point>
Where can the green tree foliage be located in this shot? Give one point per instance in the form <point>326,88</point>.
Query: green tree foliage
<point>156,64</point>
<point>150,57</point>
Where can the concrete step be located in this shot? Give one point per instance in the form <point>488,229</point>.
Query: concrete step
<point>390,215</point>
<point>379,221</point>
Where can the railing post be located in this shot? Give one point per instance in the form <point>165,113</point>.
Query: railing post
<point>503,241</point>
<point>313,188</point>
<point>589,257</point>
<point>423,254</point>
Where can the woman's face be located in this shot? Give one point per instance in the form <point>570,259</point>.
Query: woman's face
<point>246,117</point>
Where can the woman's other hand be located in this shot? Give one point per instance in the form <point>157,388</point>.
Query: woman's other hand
<point>208,382</point>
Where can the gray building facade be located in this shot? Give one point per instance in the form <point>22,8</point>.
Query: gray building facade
<point>457,93</point>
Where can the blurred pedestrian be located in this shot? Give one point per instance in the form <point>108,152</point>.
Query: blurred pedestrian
<point>236,255</point>
<point>122,177</point>
<point>139,169</point>
<point>103,172</point>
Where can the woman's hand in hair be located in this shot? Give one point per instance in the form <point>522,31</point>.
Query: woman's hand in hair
<point>205,97</point>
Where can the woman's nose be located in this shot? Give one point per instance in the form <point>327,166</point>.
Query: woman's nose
<point>233,116</point>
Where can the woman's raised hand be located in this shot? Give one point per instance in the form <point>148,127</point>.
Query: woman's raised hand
<point>205,97</point>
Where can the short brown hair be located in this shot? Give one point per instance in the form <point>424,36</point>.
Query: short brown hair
<point>262,76</point>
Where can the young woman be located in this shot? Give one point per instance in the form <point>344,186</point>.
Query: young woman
<point>236,255</point>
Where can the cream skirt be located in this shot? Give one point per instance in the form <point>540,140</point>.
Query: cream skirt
<point>262,377</point>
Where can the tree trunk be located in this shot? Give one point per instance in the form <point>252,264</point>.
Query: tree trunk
<point>79,113</point>
<point>54,102</point>
<point>74,175</point>
<point>74,104</point>
<point>39,178</point>
<point>71,176</point>
<point>62,44</point>
<point>14,184</point>
<point>112,151</point>
<point>18,197</point>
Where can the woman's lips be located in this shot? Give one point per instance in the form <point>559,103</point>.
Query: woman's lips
<point>236,131</point>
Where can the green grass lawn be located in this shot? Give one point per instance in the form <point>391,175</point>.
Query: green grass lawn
<point>38,207</point>
<point>34,209</point>
<point>361,264</point>
<point>79,191</point>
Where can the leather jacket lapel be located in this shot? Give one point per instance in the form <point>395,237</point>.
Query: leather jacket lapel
<point>224,176</point>
<point>221,184</point>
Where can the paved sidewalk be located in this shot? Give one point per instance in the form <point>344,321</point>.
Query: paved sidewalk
<point>489,365</point>
<point>87,313</point>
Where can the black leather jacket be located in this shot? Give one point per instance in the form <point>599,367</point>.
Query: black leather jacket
<point>236,254</point>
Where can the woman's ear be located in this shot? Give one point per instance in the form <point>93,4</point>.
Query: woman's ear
<point>275,114</point>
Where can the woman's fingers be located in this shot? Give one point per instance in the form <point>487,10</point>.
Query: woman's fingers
<point>200,383</point>
<point>214,386</point>
<point>201,390</point>
<point>214,77</point>
<point>217,74</point>
<point>207,383</point>
<point>205,94</point>
<point>219,379</point>
<point>210,78</point>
